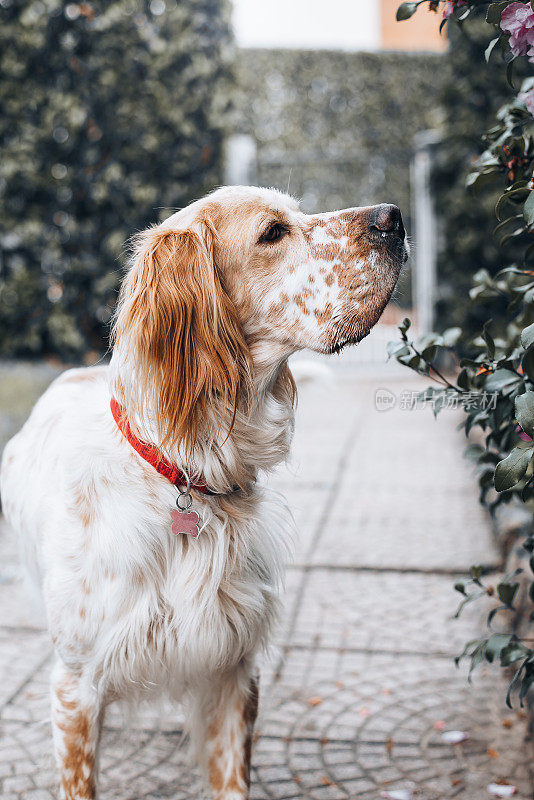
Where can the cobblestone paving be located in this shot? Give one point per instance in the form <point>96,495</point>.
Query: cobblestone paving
<point>362,683</point>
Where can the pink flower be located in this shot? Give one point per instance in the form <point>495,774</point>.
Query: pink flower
<point>528,99</point>
<point>522,435</point>
<point>517,19</point>
<point>450,5</point>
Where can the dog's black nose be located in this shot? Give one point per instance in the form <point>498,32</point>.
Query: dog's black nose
<point>387,218</point>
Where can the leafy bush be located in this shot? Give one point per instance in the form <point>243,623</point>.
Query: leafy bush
<point>109,112</point>
<point>471,95</point>
<point>495,387</point>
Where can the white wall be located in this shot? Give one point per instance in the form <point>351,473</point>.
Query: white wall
<point>333,24</point>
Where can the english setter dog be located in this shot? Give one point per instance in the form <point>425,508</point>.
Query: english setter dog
<point>134,488</point>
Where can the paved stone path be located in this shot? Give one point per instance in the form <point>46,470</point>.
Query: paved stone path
<point>362,684</point>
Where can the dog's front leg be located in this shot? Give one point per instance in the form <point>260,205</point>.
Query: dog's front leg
<point>224,725</point>
<point>76,726</point>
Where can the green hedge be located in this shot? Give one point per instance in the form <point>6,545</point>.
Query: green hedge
<point>109,114</point>
<point>339,127</point>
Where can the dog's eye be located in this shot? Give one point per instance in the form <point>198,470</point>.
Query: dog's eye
<point>274,232</point>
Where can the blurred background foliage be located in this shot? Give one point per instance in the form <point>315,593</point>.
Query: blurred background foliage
<point>110,113</point>
<point>338,127</point>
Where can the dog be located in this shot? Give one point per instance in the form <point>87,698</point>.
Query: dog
<point>134,489</point>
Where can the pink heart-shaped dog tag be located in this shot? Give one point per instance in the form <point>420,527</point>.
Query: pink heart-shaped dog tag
<point>185,522</point>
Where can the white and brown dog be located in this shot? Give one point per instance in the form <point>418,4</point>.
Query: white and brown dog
<point>215,301</point>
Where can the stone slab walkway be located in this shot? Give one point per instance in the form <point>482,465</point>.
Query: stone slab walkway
<point>362,682</point>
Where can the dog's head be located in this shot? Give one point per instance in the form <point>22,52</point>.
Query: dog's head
<point>244,274</point>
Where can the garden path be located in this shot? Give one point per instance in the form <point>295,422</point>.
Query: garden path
<point>362,685</point>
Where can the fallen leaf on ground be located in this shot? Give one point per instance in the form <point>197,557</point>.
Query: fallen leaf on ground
<point>454,737</point>
<point>315,701</point>
<point>492,753</point>
<point>497,790</point>
<point>389,744</point>
<point>507,723</point>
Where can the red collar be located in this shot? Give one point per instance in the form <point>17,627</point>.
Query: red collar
<point>151,453</point>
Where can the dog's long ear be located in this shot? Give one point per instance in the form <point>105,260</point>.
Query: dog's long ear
<point>181,335</point>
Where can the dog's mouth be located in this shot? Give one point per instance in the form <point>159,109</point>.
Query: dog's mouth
<point>360,317</point>
<point>340,345</point>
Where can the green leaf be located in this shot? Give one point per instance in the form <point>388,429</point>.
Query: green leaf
<point>502,225</point>
<point>477,656</point>
<point>469,598</point>
<point>405,11</point>
<point>429,353</point>
<point>476,572</point>
<point>515,680</point>
<point>397,349</point>
<point>475,180</point>
<point>405,324</point>
<point>524,412</point>
<point>512,196</point>
<point>527,336</point>
<point>497,380</point>
<point>474,451</point>
<point>507,592</point>
<point>527,363</point>
<point>510,471</point>
<point>465,652</point>
<point>528,209</point>
<point>463,379</point>
<point>509,74</point>
<point>415,362</point>
<point>514,234</point>
<point>488,338</point>
<point>528,252</point>
<point>527,682</point>
<point>512,652</point>
<point>493,14</point>
<point>496,644</point>
<point>489,49</point>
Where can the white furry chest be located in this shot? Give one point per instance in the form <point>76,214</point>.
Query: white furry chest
<point>155,610</point>
<point>127,601</point>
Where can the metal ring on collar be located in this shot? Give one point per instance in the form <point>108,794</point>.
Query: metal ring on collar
<point>186,494</point>
<point>187,499</point>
